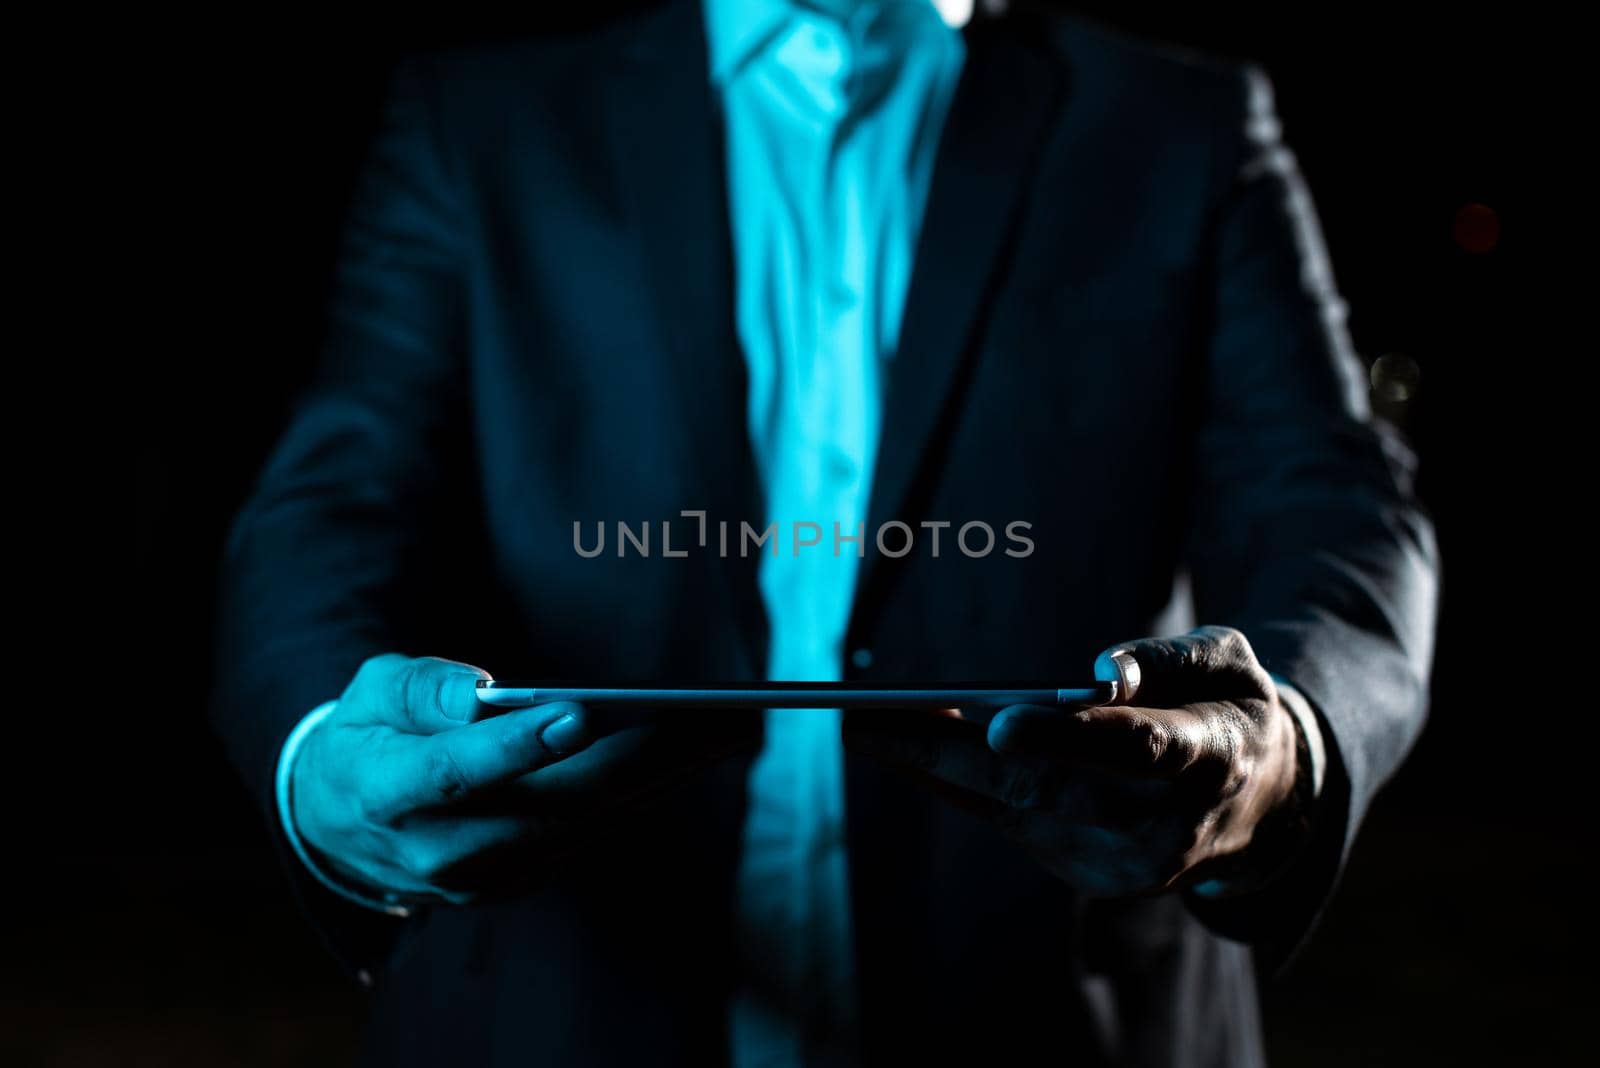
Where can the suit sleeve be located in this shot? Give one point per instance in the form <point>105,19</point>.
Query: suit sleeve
<point>1306,534</point>
<point>318,570</point>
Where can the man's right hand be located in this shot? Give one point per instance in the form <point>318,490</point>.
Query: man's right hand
<point>413,788</point>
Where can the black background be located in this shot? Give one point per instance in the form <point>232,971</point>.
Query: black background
<point>158,929</point>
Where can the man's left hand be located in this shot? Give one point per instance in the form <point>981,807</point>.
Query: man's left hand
<point>1127,798</point>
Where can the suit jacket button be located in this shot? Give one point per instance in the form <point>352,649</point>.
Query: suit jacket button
<point>862,658</point>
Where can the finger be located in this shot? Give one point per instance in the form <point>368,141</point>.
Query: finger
<point>396,884</point>
<point>960,768</point>
<point>436,852</point>
<point>453,764</point>
<point>640,761</point>
<point>424,695</point>
<point>1156,743</point>
<point>951,751</point>
<point>1207,664</point>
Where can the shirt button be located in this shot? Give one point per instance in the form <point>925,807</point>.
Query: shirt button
<point>841,466</point>
<point>862,658</point>
<point>830,47</point>
<point>842,296</point>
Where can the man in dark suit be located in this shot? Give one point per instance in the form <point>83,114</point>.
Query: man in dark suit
<point>1023,274</point>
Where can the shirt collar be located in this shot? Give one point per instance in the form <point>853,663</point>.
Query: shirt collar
<point>737,30</point>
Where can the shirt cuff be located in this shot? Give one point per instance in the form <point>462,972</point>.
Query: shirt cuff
<point>282,784</point>
<point>1310,729</point>
<point>1311,761</point>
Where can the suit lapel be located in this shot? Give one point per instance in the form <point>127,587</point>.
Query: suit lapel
<point>1007,92</point>
<point>665,128</point>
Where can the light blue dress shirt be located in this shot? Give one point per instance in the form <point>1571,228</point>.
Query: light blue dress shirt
<point>832,116</point>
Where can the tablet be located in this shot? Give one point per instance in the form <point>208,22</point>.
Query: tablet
<point>794,695</point>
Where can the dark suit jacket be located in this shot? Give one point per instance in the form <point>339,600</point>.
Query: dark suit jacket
<point>1121,328</point>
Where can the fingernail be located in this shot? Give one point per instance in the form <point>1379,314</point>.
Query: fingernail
<point>564,735</point>
<point>1002,733</point>
<point>1120,667</point>
<point>1128,677</point>
<point>458,706</point>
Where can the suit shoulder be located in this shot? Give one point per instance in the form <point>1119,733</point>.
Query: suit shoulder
<point>1178,80</point>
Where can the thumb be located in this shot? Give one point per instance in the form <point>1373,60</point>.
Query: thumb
<point>423,695</point>
<point>1206,664</point>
